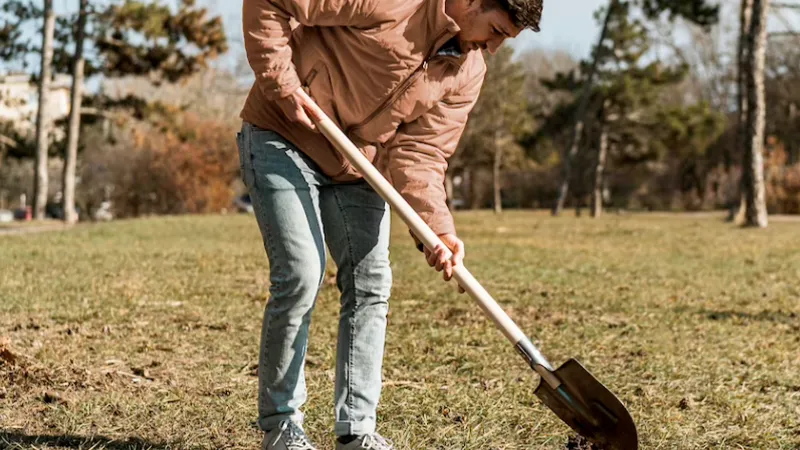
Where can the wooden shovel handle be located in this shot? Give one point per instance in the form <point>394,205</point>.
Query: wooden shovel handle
<point>420,229</point>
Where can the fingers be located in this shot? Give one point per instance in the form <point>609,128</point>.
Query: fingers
<point>458,253</point>
<point>447,265</point>
<point>456,260</point>
<point>294,108</point>
<point>300,116</point>
<point>445,260</point>
<point>438,259</point>
<point>431,257</point>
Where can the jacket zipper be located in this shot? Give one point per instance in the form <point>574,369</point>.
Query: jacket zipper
<point>400,90</point>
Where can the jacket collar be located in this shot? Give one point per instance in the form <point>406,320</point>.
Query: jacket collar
<point>443,29</point>
<point>451,48</point>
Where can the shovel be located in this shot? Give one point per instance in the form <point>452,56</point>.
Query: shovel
<point>570,391</point>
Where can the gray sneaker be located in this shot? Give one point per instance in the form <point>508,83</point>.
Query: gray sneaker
<point>288,436</point>
<point>372,441</point>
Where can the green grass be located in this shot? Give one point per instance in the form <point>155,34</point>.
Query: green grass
<point>144,334</point>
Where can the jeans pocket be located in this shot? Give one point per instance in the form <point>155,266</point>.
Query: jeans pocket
<point>245,169</point>
<point>240,149</point>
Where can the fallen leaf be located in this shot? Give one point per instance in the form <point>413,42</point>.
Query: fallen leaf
<point>141,372</point>
<point>580,443</point>
<point>53,397</point>
<point>8,356</point>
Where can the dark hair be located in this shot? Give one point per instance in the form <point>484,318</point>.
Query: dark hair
<point>524,13</point>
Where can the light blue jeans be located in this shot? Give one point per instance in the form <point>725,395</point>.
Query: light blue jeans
<point>299,210</point>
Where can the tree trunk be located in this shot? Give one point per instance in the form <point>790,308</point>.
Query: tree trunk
<point>745,21</point>
<point>467,189</point>
<point>792,145</point>
<point>496,175</point>
<point>70,160</point>
<point>597,193</point>
<point>42,116</point>
<point>5,143</point>
<point>755,214</point>
<point>569,156</point>
<point>448,188</point>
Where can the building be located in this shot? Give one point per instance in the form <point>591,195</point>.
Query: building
<point>19,101</point>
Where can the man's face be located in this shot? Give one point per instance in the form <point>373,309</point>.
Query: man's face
<point>483,28</point>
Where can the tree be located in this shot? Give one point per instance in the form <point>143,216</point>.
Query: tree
<point>699,12</point>
<point>696,11</point>
<point>581,115</point>
<point>624,103</point>
<point>148,39</point>
<point>684,137</point>
<point>600,166</point>
<point>42,117</point>
<point>76,97</point>
<point>135,37</point>
<point>742,99</point>
<point>497,121</point>
<point>782,88</point>
<point>755,204</point>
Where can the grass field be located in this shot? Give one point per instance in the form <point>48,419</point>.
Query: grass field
<point>144,334</point>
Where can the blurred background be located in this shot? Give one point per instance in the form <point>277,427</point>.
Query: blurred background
<point>686,105</point>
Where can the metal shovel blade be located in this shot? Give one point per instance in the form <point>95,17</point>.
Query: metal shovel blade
<point>589,408</point>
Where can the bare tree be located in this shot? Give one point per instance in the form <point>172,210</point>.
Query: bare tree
<point>742,99</point>
<point>42,117</point>
<point>600,166</point>
<point>755,204</point>
<point>580,118</point>
<point>497,165</point>
<point>70,215</point>
<point>449,190</point>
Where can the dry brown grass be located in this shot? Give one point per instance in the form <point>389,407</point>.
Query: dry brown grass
<point>143,334</point>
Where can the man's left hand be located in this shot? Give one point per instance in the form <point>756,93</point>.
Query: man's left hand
<point>438,257</point>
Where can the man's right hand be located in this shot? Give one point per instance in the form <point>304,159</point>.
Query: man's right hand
<point>293,107</point>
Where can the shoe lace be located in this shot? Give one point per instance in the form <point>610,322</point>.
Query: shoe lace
<point>377,442</point>
<point>295,438</point>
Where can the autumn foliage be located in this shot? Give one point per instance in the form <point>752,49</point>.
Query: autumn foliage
<point>782,180</point>
<point>187,166</point>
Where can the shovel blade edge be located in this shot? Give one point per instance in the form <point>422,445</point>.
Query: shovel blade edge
<point>589,408</point>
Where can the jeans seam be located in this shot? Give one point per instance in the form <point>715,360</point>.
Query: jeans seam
<point>270,250</point>
<point>355,307</point>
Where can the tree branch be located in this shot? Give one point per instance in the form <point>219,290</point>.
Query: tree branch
<point>90,111</point>
<point>786,5</point>
<point>784,34</point>
<point>7,141</point>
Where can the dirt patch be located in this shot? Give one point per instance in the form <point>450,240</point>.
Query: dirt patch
<point>9,355</point>
<point>581,443</point>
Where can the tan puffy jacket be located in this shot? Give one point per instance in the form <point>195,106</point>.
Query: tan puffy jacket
<point>377,69</point>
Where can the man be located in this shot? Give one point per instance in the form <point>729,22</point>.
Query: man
<point>400,78</point>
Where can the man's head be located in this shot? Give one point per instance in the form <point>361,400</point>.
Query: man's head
<point>485,24</point>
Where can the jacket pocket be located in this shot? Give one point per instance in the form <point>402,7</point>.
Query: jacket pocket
<point>318,84</point>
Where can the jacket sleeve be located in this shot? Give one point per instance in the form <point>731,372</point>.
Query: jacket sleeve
<point>266,28</point>
<point>418,153</point>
